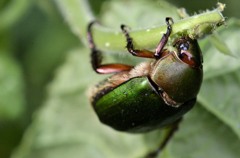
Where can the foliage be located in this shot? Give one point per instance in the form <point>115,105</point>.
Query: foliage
<point>45,76</point>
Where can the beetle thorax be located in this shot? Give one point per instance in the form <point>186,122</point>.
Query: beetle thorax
<point>176,81</point>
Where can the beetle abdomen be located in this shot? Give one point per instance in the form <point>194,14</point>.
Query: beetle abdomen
<point>134,106</point>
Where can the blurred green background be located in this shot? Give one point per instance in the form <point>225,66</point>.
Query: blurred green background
<point>39,55</point>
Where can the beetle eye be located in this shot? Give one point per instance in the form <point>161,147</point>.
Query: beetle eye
<point>188,51</point>
<point>184,53</point>
<point>184,46</point>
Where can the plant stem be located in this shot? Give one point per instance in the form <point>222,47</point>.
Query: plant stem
<point>78,14</point>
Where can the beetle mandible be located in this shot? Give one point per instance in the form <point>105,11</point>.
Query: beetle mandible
<point>152,94</point>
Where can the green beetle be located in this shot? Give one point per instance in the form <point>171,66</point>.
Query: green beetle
<point>152,94</point>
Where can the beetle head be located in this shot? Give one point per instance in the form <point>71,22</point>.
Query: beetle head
<point>189,52</point>
<point>178,73</point>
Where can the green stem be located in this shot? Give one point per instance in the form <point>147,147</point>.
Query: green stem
<point>78,15</point>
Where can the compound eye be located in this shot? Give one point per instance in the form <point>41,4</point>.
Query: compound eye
<point>184,52</point>
<point>188,51</point>
<point>184,46</point>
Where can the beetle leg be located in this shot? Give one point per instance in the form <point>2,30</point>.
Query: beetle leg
<point>164,38</point>
<point>130,47</point>
<point>96,57</point>
<point>172,130</point>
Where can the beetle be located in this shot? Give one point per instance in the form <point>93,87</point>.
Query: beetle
<point>153,94</point>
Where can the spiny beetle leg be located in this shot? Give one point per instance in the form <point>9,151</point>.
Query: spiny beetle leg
<point>164,38</point>
<point>172,130</point>
<point>96,57</point>
<point>130,47</point>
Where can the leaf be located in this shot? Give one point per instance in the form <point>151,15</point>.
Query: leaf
<point>220,91</point>
<point>66,126</point>
<point>136,15</point>
<point>11,11</point>
<point>41,58</point>
<point>220,44</point>
<point>226,42</point>
<point>201,134</point>
<point>12,102</point>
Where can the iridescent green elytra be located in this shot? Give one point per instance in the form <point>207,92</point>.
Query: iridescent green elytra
<point>152,94</point>
<point>134,106</point>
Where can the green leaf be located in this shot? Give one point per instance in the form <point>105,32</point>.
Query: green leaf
<point>40,59</point>
<point>12,99</point>
<point>220,44</point>
<point>12,103</point>
<point>66,126</point>
<point>220,91</point>
<point>127,12</point>
<point>11,11</point>
<point>201,134</point>
<point>226,42</point>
